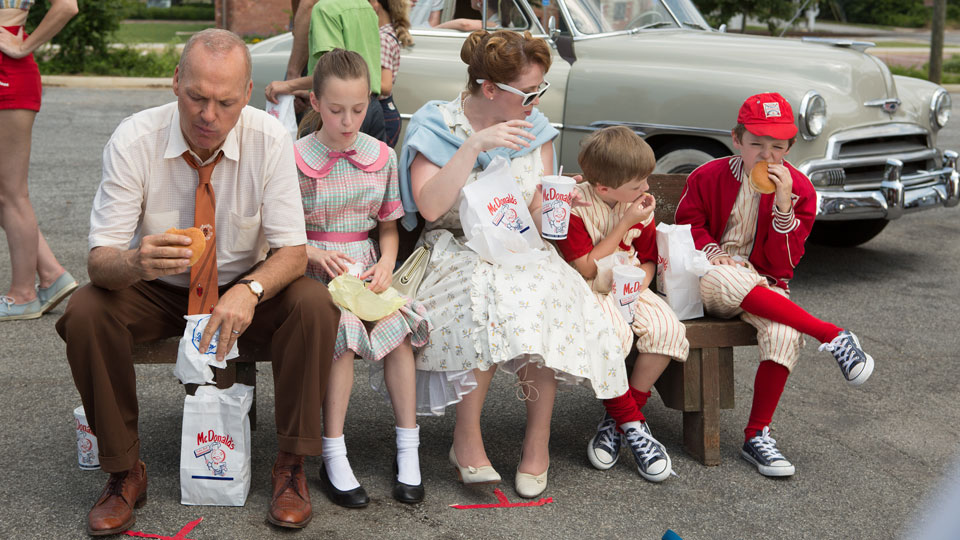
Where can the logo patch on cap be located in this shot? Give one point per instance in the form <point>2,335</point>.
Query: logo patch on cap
<point>771,110</point>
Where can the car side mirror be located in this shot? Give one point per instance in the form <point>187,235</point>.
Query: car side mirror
<point>723,28</point>
<point>552,30</point>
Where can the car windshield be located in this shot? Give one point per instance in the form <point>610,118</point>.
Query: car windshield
<point>601,16</point>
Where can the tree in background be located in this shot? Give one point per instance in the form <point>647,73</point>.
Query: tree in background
<point>86,37</point>
<point>769,12</point>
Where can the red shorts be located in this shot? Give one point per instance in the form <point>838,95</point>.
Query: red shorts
<point>19,80</point>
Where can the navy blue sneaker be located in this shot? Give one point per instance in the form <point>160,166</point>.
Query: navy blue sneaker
<point>763,453</point>
<point>856,365</point>
<point>604,448</point>
<point>653,463</point>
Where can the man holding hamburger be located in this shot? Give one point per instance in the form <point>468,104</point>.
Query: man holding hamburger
<point>751,214</point>
<point>222,176</point>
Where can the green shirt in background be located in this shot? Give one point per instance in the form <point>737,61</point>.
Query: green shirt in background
<point>350,25</point>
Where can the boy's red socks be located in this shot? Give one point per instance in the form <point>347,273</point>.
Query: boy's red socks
<point>768,304</point>
<point>641,399</point>
<point>623,409</point>
<point>767,388</point>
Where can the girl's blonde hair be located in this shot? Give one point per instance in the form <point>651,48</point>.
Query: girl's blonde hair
<point>399,13</point>
<point>342,64</point>
<point>501,56</point>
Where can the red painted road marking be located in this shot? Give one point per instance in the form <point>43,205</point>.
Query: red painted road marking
<point>504,503</point>
<point>181,534</point>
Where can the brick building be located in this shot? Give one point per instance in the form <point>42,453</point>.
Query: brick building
<point>253,17</point>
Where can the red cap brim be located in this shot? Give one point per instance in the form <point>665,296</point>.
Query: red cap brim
<point>783,132</point>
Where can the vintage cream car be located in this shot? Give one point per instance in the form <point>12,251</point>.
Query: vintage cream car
<point>867,138</point>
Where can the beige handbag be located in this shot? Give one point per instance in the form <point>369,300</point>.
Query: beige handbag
<point>407,278</point>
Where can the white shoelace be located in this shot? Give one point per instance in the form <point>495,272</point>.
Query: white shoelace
<point>8,300</point>
<point>648,447</point>
<point>843,350</point>
<point>607,430</point>
<point>767,445</point>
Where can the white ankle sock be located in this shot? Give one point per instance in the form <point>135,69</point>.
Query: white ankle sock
<point>336,463</point>
<point>408,458</point>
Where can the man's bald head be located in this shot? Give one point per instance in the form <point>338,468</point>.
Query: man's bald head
<point>221,43</point>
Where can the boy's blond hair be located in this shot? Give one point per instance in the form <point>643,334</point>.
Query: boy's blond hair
<point>614,156</point>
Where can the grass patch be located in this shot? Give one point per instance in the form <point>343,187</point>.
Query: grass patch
<point>948,77</point>
<point>121,62</point>
<point>902,44</point>
<point>157,32</point>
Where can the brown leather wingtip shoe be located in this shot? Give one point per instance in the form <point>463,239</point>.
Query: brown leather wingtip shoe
<point>113,511</point>
<point>290,507</point>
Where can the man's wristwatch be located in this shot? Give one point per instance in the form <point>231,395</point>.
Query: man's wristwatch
<point>254,286</point>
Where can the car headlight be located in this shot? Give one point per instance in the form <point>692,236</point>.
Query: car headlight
<point>813,115</point>
<point>940,105</point>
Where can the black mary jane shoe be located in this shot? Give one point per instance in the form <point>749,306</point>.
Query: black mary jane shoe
<point>355,498</point>
<point>406,493</point>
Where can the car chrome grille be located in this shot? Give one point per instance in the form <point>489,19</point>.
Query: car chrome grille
<point>882,146</point>
<point>856,160</point>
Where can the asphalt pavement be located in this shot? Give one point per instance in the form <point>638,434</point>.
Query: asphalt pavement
<point>868,459</point>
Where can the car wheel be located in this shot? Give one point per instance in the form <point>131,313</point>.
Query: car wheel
<point>846,233</point>
<point>682,161</point>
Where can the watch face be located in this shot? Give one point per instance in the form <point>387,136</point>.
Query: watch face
<point>256,287</point>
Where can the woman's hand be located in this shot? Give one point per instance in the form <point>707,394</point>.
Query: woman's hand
<point>510,134</point>
<point>12,44</point>
<point>332,262</point>
<point>275,89</point>
<point>382,276</point>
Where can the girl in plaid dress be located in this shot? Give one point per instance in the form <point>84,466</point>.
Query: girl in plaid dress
<point>348,181</point>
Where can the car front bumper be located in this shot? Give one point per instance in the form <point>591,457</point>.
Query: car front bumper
<point>896,194</point>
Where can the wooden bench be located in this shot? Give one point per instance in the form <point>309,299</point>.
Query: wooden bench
<point>702,385</point>
<point>699,387</point>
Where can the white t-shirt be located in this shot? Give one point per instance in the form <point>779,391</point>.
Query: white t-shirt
<point>147,187</point>
<point>420,13</point>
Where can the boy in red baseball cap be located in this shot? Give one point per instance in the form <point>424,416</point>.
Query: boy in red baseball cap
<point>755,240</point>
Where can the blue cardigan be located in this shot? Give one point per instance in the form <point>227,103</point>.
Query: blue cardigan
<point>428,134</point>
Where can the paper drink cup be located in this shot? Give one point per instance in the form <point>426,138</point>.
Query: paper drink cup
<point>627,284</point>
<point>557,192</point>
<point>87,451</point>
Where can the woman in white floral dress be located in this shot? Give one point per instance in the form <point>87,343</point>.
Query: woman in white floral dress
<point>538,320</point>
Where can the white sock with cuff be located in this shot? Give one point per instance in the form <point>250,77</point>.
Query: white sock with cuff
<point>408,458</point>
<point>337,465</point>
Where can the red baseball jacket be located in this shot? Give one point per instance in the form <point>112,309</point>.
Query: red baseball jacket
<point>708,199</point>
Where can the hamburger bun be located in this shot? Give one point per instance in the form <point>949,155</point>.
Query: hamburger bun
<point>761,179</point>
<point>198,241</point>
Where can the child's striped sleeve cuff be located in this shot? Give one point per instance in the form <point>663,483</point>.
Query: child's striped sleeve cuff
<point>784,222</point>
<point>713,251</point>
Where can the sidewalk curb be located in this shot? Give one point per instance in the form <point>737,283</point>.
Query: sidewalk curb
<point>951,87</point>
<point>81,81</point>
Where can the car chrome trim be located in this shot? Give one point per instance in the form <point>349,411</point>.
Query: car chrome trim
<point>893,197</point>
<point>804,103</point>
<point>889,130</point>
<point>889,105</point>
<point>860,46</point>
<point>649,129</point>
<point>937,94</point>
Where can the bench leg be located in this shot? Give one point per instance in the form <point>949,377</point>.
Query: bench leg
<point>701,429</point>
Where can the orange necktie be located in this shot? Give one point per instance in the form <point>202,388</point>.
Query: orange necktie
<point>203,275</point>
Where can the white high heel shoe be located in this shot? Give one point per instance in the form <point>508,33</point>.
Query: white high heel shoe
<point>529,485</point>
<point>474,475</point>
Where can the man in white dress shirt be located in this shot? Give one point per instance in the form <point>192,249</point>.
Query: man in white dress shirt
<point>155,167</point>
